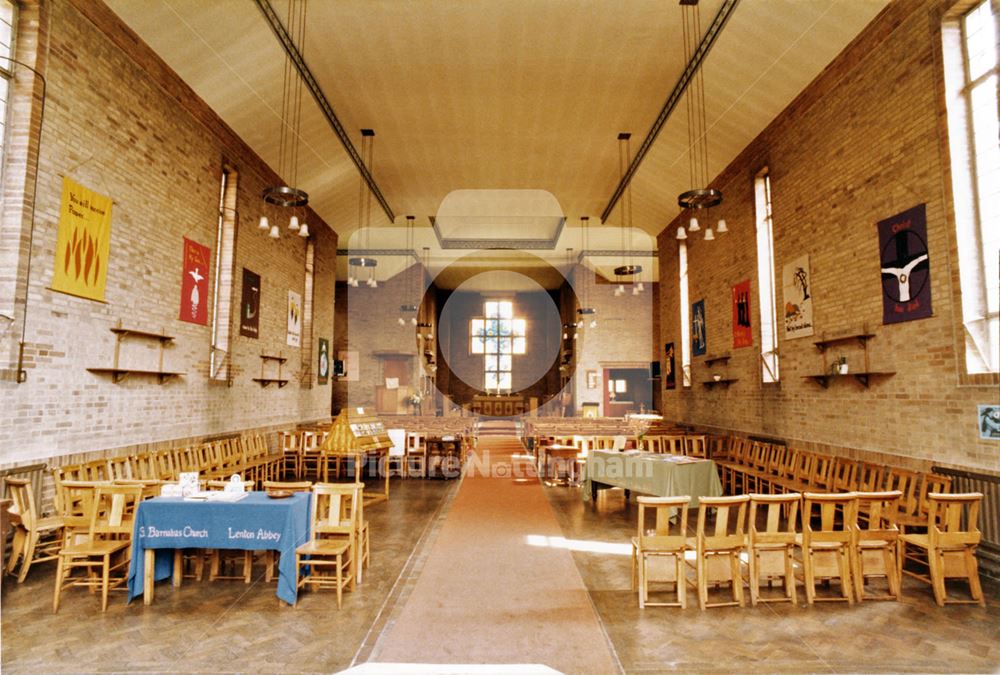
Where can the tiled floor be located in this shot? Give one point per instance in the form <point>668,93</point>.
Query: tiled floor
<point>231,627</point>
<point>912,635</point>
<point>224,626</point>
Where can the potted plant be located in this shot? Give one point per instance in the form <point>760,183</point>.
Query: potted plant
<point>415,400</point>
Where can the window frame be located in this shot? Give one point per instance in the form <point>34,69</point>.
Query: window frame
<point>976,270</point>
<point>496,315</point>
<point>770,368</point>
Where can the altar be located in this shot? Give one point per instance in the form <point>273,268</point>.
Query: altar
<point>498,406</point>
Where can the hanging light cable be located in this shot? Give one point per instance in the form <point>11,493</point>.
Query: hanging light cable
<point>288,195</point>
<point>408,307</point>
<point>629,269</point>
<point>700,197</point>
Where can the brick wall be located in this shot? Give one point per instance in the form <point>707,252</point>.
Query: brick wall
<point>120,122</point>
<point>622,336</point>
<point>863,142</point>
<point>367,324</point>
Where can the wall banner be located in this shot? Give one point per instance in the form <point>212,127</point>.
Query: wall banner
<point>250,304</point>
<point>294,319</point>
<point>83,242</point>
<point>194,283</point>
<point>698,340</point>
<point>796,286</point>
<point>742,332</point>
<point>906,268</point>
<point>323,369</point>
<point>669,364</point>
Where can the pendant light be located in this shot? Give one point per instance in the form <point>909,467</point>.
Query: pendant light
<point>700,198</point>
<point>288,195</point>
<point>358,264</point>
<point>585,313</point>
<point>408,309</point>
<point>629,269</point>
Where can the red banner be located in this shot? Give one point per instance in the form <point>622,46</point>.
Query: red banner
<point>742,332</point>
<point>194,283</point>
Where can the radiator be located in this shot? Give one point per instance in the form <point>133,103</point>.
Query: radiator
<point>989,513</point>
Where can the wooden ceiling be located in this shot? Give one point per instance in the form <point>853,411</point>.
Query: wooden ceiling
<point>497,94</point>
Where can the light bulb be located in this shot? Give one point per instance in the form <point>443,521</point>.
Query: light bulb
<point>641,287</point>
<point>682,233</point>
<point>413,320</point>
<point>721,227</point>
<point>274,232</point>
<point>576,335</point>
<point>635,290</point>
<point>402,321</point>
<point>374,283</point>
<point>293,223</point>
<point>264,225</point>
<point>565,336</point>
<point>693,224</point>
<point>593,324</point>
<point>304,230</point>
<point>709,236</point>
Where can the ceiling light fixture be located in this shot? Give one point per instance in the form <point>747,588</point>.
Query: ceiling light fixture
<point>287,195</point>
<point>356,265</point>
<point>630,269</point>
<point>585,311</point>
<point>697,198</point>
<point>408,308</point>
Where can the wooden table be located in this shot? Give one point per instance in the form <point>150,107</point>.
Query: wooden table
<point>659,475</point>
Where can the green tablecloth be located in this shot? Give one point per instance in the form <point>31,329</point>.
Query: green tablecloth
<point>647,473</point>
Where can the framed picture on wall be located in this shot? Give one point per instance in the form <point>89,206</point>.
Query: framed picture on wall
<point>593,379</point>
<point>323,369</point>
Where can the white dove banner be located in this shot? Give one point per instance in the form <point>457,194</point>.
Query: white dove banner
<point>194,283</point>
<point>905,263</point>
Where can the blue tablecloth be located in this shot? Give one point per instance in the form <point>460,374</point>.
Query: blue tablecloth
<point>256,522</point>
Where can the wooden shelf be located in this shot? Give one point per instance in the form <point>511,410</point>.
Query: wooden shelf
<point>721,358</point>
<point>724,382</point>
<point>279,359</point>
<point>125,332</point>
<point>863,377</point>
<point>862,337</point>
<point>119,374</point>
<point>264,381</point>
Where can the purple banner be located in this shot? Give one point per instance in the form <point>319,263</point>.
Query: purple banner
<point>906,268</point>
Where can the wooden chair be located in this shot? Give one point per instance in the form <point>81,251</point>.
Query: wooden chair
<point>416,455</point>
<point>290,453</point>
<point>771,549</point>
<point>696,446</point>
<point>331,546</point>
<point>652,547</point>
<point>826,541</point>
<point>311,460</point>
<point>396,457</point>
<point>875,551</point>
<point>220,560</point>
<point>270,555</point>
<point>949,546</point>
<point>36,539</point>
<point>109,535</point>
<point>717,552</point>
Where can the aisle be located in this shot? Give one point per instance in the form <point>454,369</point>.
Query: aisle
<point>486,596</point>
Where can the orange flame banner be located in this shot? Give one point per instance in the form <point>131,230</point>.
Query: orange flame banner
<point>83,242</point>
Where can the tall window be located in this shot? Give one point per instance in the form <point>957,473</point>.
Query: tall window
<point>682,256</point>
<point>6,67</point>
<point>498,336</point>
<point>765,278</point>
<point>225,242</point>
<point>970,51</point>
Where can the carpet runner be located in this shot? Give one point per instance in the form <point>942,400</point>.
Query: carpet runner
<point>488,596</point>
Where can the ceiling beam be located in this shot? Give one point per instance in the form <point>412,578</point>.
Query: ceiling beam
<point>312,85</point>
<point>728,6</point>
